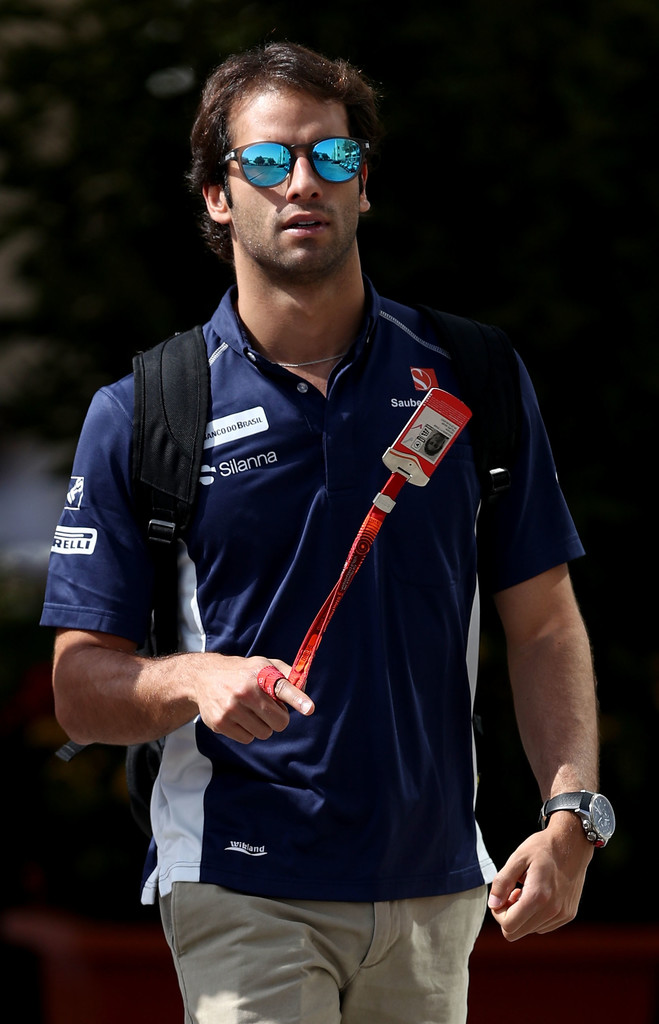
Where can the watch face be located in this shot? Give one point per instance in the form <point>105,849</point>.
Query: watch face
<point>602,815</point>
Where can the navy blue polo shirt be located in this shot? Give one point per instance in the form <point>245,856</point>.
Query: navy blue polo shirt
<point>373,796</point>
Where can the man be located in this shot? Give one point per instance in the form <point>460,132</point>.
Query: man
<point>315,855</point>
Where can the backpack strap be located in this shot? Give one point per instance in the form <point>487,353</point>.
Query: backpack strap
<point>172,382</point>
<point>486,365</point>
<point>171,400</point>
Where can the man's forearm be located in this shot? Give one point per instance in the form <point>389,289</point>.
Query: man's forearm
<point>556,707</point>
<point>553,683</point>
<point>105,692</point>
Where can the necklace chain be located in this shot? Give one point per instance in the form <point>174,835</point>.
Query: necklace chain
<point>313,362</point>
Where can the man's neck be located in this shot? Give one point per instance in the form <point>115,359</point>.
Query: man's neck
<point>302,324</point>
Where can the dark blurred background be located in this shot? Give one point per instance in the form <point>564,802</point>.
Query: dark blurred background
<point>517,184</point>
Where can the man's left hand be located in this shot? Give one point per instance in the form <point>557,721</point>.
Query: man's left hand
<point>539,887</point>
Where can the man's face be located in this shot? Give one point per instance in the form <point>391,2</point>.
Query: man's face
<point>304,229</point>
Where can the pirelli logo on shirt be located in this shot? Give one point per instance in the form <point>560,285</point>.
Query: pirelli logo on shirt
<point>74,540</point>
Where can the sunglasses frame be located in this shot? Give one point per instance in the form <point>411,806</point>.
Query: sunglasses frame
<point>237,155</point>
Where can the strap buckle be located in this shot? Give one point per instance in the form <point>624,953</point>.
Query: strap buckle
<point>161,531</point>
<point>499,480</point>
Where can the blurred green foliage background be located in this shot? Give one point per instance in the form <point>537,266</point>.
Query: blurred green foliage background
<point>517,184</point>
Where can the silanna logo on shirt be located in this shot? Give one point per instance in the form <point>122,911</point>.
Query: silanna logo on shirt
<point>231,467</point>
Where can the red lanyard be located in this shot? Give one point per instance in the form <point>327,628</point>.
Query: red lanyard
<point>361,546</point>
<point>414,456</point>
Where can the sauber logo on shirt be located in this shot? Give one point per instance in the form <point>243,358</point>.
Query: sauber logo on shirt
<point>406,403</point>
<point>74,493</point>
<point>238,424</point>
<point>424,380</point>
<point>74,540</point>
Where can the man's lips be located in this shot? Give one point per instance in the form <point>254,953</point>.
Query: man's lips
<point>305,222</point>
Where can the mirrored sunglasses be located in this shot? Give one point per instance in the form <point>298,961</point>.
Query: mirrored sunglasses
<point>265,164</point>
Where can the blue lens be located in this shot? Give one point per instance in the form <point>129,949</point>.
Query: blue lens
<point>337,159</point>
<point>266,163</point>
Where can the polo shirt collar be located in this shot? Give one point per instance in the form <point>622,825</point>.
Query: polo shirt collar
<point>225,325</point>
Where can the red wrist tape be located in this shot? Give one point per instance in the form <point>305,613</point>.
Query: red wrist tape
<point>268,678</point>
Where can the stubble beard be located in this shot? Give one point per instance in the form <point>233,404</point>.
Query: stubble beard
<point>304,264</point>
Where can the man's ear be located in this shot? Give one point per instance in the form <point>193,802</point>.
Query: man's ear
<point>364,204</point>
<point>217,204</point>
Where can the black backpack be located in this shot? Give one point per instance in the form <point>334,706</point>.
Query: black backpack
<point>171,392</point>
<point>171,401</point>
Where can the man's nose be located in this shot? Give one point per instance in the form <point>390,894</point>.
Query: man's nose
<point>302,179</point>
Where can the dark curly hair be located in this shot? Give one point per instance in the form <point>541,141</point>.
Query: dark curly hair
<point>276,65</point>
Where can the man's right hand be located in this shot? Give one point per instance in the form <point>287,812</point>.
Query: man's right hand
<point>106,693</point>
<point>237,706</point>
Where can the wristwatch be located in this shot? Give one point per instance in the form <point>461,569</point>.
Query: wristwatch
<point>594,810</point>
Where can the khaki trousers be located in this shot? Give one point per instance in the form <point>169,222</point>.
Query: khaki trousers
<point>253,960</point>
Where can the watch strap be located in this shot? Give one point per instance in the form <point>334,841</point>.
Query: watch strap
<point>564,802</point>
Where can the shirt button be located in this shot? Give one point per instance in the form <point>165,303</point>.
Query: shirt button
<point>303,387</point>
